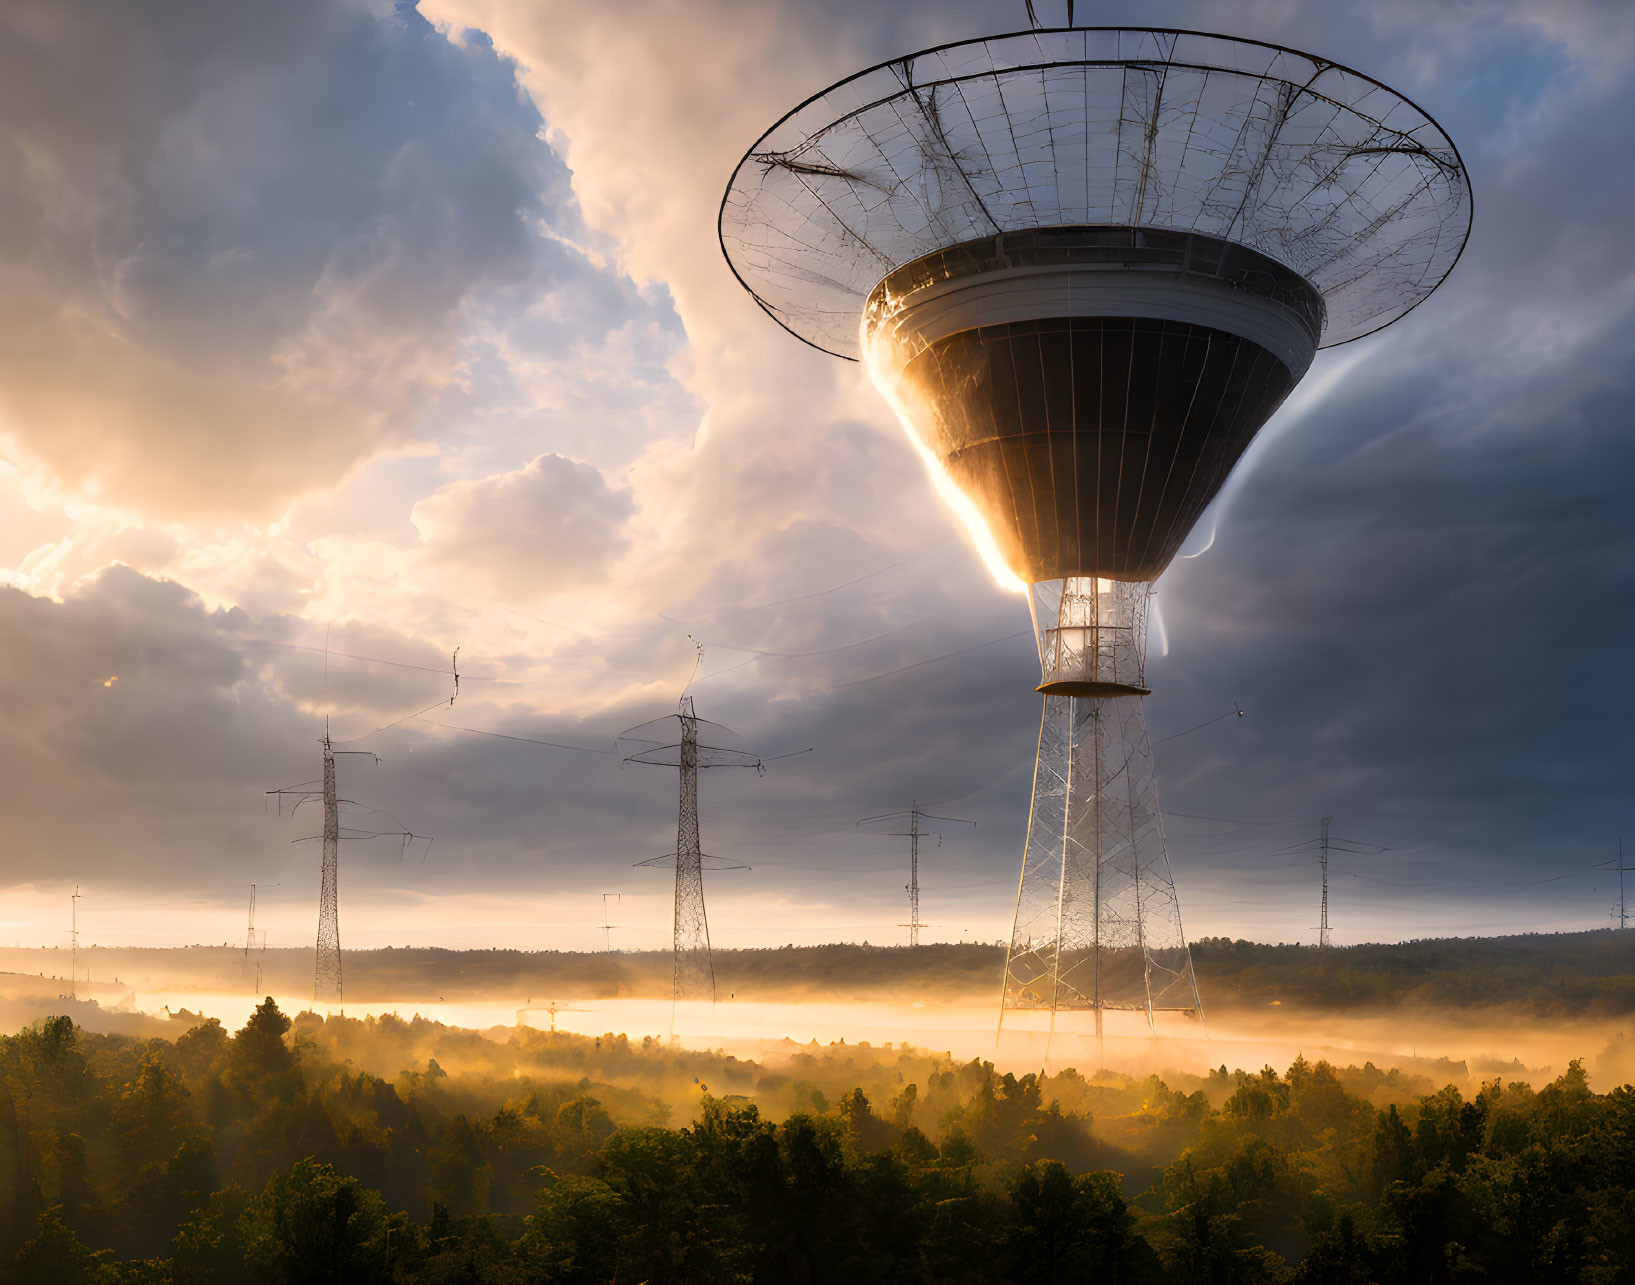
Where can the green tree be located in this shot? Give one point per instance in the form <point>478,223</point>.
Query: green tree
<point>314,1225</point>
<point>575,1235</point>
<point>149,1119</point>
<point>259,1050</point>
<point>56,1256</point>
<point>210,1246</point>
<point>1066,1228</point>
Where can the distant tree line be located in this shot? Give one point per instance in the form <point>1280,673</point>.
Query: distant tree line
<point>1556,974</point>
<point>1549,974</point>
<point>277,1154</point>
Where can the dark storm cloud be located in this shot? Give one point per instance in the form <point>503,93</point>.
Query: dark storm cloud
<point>1420,590</point>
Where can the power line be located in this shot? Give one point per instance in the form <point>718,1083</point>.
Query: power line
<point>526,740</point>
<point>822,651</point>
<point>947,655</point>
<point>371,660</point>
<point>1236,709</point>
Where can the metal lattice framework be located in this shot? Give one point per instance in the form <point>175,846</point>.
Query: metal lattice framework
<point>913,834</point>
<point>693,977</point>
<point>1308,162</point>
<point>326,977</point>
<point>1098,924</point>
<point>1317,166</point>
<point>326,984</point>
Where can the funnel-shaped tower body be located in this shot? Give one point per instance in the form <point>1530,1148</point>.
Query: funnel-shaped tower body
<point>1085,267</point>
<point>1089,389</point>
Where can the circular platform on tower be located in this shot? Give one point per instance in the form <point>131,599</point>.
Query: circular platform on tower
<point>930,162</point>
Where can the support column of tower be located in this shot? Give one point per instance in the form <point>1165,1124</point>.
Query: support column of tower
<point>1097,924</point>
<point>694,976</point>
<point>326,982</point>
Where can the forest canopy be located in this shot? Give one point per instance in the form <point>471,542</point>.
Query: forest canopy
<point>335,1149</point>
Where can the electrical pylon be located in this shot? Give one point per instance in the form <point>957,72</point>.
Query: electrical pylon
<point>693,976</point>
<point>912,834</point>
<point>1623,906</point>
<point>73,944</point>
<point>249,934</point>
<point>607,920</point>
<point>251,939</point>
<point>1322,925</point>
<point>1325,845</point>
<point>326,976</point>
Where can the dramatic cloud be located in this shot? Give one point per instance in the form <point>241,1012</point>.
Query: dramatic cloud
<point>236,241</point>
<point>328,321</point>
<point>526,534</point>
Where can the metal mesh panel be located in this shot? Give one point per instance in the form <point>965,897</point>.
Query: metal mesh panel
<point>1091,630</point>
<point>1321,168</point>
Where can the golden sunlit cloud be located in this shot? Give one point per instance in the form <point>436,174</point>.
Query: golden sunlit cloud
<point>110,680</point>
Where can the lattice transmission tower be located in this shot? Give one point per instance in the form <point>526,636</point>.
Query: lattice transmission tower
<point>912,834</point>
<point>693,976</point>
<point>1620,912</point>
<point>1322,923</point>
<point>1326,845</point>
<point>73,939</point>
<point>255,938</point>
<point>326,976</point>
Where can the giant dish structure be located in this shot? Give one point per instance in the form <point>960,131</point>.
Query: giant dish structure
<point>1086,266</point>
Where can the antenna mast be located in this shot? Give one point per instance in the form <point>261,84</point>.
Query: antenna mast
<point>912,834</point>
<point>607,920</point>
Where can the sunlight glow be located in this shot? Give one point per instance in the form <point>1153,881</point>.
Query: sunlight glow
<point>976,526</point>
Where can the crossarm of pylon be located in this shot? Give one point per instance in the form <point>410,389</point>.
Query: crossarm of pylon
<point>706,861</point>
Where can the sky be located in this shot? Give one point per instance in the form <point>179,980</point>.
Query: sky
<point>383,331</point>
